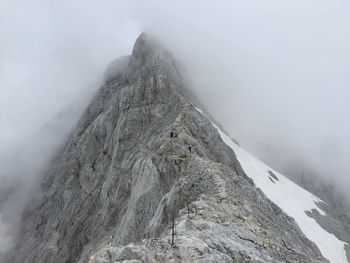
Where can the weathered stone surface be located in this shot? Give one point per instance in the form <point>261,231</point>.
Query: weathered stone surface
<point>347,250</point>
<point>112,193</point>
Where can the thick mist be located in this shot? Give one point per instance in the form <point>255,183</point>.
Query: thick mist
<point>53,56</point>
<point>274,74</point>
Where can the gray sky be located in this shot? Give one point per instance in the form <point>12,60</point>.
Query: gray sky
<point>275,74</point>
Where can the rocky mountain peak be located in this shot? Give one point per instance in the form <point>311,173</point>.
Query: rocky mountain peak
<point>147,177</point>
<point>146,47</point>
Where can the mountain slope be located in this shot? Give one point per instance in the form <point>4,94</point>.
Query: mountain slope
<point>141,156</point>
<point>293,200</point>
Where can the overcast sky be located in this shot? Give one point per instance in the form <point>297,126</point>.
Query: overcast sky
<point>275,74</point>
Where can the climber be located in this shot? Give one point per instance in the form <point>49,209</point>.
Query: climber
<point>190,148</point>
<point>171,134</point>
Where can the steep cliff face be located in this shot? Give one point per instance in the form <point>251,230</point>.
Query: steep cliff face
<point>141,155</point>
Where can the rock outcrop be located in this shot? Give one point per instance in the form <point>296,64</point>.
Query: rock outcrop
<point>140,157</point>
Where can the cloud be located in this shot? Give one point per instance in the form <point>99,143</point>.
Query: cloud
<point>53,56</point>
<point>275,74</point>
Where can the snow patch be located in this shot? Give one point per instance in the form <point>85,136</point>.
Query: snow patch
<point>292,199</point>
<point>201,111</point>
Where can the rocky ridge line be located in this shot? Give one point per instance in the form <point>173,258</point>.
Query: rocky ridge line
<point>140,154</point>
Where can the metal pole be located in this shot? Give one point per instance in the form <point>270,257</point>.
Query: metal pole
<point>173,230</point>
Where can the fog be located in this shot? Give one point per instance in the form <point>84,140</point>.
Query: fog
<point>274,74</point>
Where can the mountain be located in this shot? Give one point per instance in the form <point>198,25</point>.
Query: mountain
<point>23,164</point>
<point>147,176</point>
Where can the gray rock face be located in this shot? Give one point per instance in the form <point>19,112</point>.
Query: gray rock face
<point>140,155</point>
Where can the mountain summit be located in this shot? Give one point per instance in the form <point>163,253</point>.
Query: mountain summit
<point>146,176</point>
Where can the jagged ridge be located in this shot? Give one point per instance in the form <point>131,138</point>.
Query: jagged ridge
<point>122,176</point>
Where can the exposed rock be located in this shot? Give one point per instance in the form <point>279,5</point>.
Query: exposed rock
<point>202,237</point>
<point>273,175</point>
<point>347,250</point>
<point>112,193</point>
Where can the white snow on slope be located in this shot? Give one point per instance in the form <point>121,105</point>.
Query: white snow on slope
<point>291,198</point>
